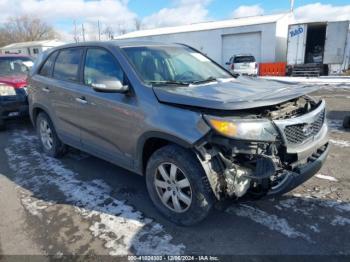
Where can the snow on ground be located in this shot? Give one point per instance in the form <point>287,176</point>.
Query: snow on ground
<point>330,178</point>
<point>339,220</point>
<point>271,221</point>
<point>123,229</point>
<point>340,143</point>
<point>339,81</point>
<point>283,215</point>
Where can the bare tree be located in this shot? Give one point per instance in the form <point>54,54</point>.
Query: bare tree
<point>25,28</point>
<point>109,32</point>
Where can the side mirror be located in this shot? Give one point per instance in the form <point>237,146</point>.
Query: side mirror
<point>227,63</point>
<point>110,86</point>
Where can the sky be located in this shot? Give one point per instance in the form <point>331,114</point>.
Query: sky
<point>121,16</point>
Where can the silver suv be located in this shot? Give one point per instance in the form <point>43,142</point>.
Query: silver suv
<point>168,112</point>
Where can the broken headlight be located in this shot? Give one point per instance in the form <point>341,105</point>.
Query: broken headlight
<point>6,90</point>
<point>244,129</point>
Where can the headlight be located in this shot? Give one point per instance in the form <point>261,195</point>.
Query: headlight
<point>6,90</point>
<point>244,129</point>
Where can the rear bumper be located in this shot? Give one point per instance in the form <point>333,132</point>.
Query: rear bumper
<point>248,71</point>
<point>13,107</point>
<point>301,173</point>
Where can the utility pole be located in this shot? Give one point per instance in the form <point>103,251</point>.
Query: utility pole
<point>75,32</point>
<point>99,30</point>
<point>83,31</point>
<point>291,6</point>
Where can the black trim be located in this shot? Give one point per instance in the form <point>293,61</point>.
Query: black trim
<point>155,134</point>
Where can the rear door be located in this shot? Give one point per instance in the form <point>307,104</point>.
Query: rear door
<point>335,42</point>
<point>296,44</point>
<point>64,91</point>
<point>109,120</point>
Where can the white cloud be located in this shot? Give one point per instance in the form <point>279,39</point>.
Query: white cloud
<point>114,13</point>
<point>322,12</point>
<point>183,12</point>
<point>247,10</point>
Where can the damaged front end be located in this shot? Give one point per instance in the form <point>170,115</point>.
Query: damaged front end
<point>264,151</point>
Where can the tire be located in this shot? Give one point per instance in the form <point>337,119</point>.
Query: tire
<point>56,148</point>
<point>346,122</point>
<point>198,189</point>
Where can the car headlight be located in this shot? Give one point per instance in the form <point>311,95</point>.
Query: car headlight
<point>6,90</point>
<point>244,129</point>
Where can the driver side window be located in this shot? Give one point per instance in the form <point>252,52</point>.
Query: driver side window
<point>100,65</point>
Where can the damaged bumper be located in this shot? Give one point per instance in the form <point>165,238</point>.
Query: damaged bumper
<point>236,167</point>
<point>302,173</point>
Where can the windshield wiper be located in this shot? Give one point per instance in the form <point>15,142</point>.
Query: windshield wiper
<point>168,82</point>
<point>209,79</point>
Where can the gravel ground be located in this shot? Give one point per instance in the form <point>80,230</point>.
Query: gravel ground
<point>80,205</point>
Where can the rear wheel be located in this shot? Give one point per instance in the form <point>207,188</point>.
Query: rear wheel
<point>178,186</point>
<point>49,140</point>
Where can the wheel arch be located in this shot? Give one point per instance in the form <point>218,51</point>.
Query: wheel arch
<point>36,110</point>
<point>152,141</point>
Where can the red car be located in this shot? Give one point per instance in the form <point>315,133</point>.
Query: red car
<point>13,82</point>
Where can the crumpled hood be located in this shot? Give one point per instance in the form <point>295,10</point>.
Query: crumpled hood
<point>233,94</point>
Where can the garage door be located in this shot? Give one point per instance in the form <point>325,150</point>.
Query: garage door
<point>249,43</point>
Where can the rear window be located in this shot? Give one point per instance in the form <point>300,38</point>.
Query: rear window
<point>67,64</point>
<point>244,59</point>
<point>16,65</point>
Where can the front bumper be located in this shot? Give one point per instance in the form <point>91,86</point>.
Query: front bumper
<point>301,173</point>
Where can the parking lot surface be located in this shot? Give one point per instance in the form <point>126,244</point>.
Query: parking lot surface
<point>82,205</point>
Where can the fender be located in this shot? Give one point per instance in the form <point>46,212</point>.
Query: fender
<point>155,134</point>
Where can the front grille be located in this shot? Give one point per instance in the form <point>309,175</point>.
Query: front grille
<point>299,133</point>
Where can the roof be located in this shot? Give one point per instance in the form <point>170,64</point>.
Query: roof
<point>120,43</point>
<point>53,42</point>
<point>14,55</point>
<point>246,21</point>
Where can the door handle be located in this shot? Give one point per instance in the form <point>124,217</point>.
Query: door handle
<point>81,100</point>
<point>46,89</point>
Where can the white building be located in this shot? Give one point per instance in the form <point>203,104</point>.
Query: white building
<point>265,37</point>
<point>33,48</point>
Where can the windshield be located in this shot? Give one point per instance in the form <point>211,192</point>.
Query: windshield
<point>173,65</point>
<point>244,59</point>
<point>12,66</point>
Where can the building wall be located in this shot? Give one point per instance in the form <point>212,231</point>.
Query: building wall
<point>210,41</point>
<point>282,37</point>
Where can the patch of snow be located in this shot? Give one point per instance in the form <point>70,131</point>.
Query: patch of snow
<point>315,228</point>
<point>272,222</point>
<point>340,143</point>
<point>340,221</point>
<point>123,229</point>
<point>34,206</point>
<point>330,178</point>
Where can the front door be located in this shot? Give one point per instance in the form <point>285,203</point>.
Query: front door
<point>108,120</point>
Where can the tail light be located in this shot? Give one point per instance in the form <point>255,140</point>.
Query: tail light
<point>232,66</point>
<point>256,65</point>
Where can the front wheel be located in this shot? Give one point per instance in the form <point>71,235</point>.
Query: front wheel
<point>49,140</point>
<point>178,186</point>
